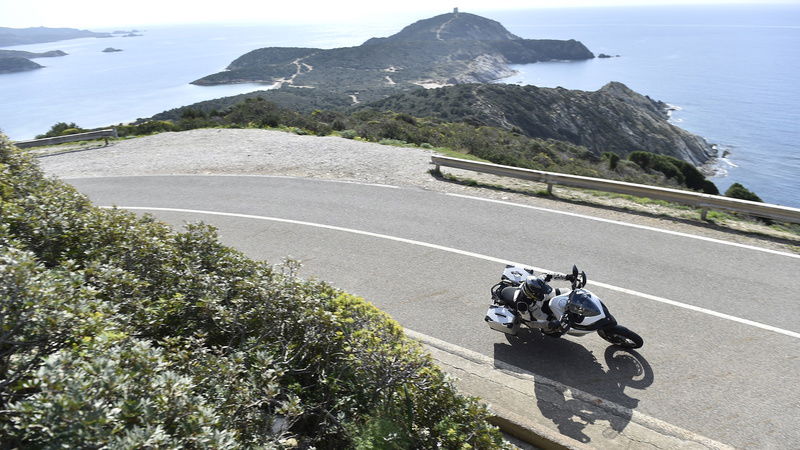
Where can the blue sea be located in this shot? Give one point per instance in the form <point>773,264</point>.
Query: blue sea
<point>733,72</point>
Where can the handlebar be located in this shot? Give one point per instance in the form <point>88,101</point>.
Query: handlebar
<point>578,279</point>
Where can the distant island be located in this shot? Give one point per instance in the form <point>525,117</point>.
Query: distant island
<point>13,64</point>
<point>111,50</point>
<point>448,49</point>
<point>22,36</point>
<point>20,61</point>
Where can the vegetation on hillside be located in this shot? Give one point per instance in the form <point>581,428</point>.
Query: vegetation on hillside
<point>489,143</point>
<point>611,119</point>
<point>119,332</point>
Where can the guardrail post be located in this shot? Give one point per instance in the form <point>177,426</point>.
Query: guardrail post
<point>113,134</point>
<point>549,184</point>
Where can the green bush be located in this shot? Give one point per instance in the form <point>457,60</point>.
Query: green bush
<point>736,190</point>
<point>394,142</point>
<point>681,171</point>
<point>348,134</point>
<point>612,158</point>
<point>148,127</point>
<point>118,393</point>
<point>60,129</point>
<point>119,332</point>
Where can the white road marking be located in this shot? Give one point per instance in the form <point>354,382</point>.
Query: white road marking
<point>469,197</point>
<point>625,224</point>
<point>472,255</point>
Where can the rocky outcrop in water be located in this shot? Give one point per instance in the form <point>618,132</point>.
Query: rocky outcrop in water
<point>13,64</point>
<point>20,61</point>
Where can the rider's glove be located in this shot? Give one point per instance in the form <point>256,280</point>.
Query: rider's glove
<point>563,325</point>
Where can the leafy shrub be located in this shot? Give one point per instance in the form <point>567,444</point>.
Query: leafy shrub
<point>612,158</point>
<point>148,127</point>
<point>115,393</point>
<point>119,332</point>
<point>395,142</point>
<point>348,134</point>
<point>737,190</point>
<point>683,172</point>
<point>61,129</point>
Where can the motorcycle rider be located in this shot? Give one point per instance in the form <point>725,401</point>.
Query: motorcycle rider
<point>535,289</point>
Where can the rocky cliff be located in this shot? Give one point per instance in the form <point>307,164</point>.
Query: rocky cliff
<point>611,119</point>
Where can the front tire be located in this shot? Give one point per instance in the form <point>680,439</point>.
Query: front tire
<point>621,336</point>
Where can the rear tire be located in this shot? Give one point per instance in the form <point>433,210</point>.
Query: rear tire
<point>621,336</point>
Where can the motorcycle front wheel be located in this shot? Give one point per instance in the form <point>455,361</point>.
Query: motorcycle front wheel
<point>621,336</point>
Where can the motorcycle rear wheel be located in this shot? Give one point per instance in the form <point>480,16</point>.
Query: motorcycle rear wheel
<point>621,336</point>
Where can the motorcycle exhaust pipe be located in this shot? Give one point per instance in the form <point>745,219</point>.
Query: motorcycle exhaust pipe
<point>542,324</point>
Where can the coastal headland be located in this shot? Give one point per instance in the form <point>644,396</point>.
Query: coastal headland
<point>462,56</point>
<point>443,50</point>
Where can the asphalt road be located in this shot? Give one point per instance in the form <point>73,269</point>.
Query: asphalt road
<point>429,259</point>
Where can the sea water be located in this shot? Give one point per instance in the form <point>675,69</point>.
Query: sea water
<point>731,70</point>
<point>151,74</point>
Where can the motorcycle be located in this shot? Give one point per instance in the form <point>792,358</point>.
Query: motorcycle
<point>577,312</point>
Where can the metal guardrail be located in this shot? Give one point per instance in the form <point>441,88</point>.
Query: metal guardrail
<point>703,201</point>
<point>105,134</point>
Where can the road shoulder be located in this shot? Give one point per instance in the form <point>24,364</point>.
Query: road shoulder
<point>518,398</point>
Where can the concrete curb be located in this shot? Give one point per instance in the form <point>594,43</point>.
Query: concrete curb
<point>516,397</point>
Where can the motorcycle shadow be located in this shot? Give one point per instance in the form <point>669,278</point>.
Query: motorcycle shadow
<point>560,365</point>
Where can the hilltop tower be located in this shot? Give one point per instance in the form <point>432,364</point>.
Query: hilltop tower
<point>455,11</point>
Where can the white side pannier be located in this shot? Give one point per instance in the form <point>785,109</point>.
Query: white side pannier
<point>502,319</point>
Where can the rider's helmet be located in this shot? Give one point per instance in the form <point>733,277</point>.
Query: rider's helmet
<point>535,288</point>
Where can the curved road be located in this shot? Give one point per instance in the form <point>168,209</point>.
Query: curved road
<point>719,320</point>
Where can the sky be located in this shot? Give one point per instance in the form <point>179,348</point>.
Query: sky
<point>101,15</point>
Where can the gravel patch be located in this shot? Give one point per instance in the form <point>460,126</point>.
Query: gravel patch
<point>268,152</point>
<point>248,151</point>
